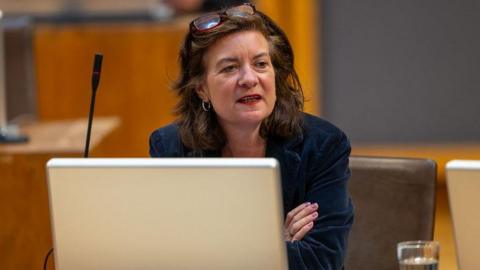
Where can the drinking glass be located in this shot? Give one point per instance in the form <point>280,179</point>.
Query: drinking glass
<point>418,255</point>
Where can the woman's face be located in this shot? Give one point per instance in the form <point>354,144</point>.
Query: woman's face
<point>240,79</point>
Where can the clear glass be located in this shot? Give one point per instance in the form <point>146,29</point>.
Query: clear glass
<point>418,255</point>
<point>207,22</point>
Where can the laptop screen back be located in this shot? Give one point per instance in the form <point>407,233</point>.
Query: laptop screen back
<point>166,214</point>
<point>463,182</point>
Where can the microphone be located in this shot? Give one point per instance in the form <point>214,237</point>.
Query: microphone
<point>97,68</point>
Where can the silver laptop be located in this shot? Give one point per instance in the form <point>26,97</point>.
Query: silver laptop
<point>463,183</point>
<point>166,213</point>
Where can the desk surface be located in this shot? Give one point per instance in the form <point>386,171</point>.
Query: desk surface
<point>60,137</point>
<point>24,214</point>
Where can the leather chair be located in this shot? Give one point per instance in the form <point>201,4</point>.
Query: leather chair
<point>394,201</point>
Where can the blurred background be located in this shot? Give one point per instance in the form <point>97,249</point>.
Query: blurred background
<point>398,76</point>
<point>140,41</point>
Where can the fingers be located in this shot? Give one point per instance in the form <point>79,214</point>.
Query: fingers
<point>293,213</point>
<point>298,225</point>
<point>302,232</point>
<point>306,211</point>
<point>299,221</point>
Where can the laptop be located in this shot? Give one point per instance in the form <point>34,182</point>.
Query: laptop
<point>463,183</point>
<point>159,213</point>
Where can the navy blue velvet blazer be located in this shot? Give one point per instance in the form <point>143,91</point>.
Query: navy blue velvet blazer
<point>314,168</point>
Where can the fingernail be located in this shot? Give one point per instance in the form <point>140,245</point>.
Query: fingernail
<point>307,203</point>
<point>315,214</point>
<point>315,205</point>
<point>310,224</point>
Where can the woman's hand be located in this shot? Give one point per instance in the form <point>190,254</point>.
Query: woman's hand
<point>299,221</point>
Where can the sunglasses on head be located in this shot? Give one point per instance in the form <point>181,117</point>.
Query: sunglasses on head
<point>212,20</point>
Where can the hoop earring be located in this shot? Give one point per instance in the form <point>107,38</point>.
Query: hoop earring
<point>206,106</point>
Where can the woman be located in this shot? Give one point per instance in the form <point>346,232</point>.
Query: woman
<point>240,97</point>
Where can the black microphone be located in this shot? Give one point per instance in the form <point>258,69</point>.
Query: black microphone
<point>97,68</point>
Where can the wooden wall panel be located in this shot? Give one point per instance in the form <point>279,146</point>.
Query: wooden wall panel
<point>24,227</point>
<point>139,65</point>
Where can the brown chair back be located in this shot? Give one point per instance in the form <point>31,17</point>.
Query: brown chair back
<point>394,201</point>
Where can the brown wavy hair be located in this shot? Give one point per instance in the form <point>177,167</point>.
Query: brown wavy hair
<point>200,130</point>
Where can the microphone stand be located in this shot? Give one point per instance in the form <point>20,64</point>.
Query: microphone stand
<point>97,68</point>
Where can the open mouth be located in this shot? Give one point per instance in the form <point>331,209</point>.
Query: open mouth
<point>249,99</point>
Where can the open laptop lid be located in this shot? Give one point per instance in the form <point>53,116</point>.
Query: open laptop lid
<point>166,213</point>
<point>463,183</point>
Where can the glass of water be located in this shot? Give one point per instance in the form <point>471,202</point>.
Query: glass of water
<point>418,255</point>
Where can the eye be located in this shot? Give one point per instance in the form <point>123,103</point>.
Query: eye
<point>228,69</point>
<point>262,64</point>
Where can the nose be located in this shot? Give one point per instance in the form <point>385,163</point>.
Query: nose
<point>248,77</point>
